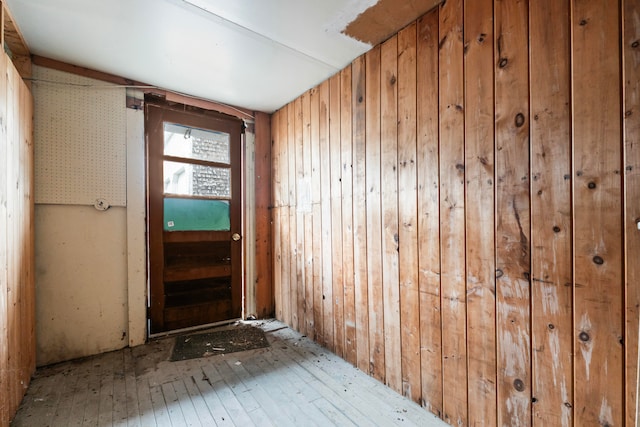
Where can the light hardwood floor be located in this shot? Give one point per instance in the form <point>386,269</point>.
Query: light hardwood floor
<point>294,382</point>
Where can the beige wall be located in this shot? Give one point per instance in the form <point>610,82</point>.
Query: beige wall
<point>81,276</point>
<point>90,264</point>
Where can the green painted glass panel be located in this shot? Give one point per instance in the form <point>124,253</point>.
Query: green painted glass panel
<point>196,215</point>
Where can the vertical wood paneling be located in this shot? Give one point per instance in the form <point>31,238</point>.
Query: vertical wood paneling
<point>513,262</point>
<point>407,213</point>
<point>299,214</point>
<point>551,220</point>
<point>17,300</point>
<point>308,216</point>
<point>4,311</point>
<point>335,150</point>
<point>285,241</point>
<point>317,216</point>
<point>14,216</point>
<point>452,225</point>
<point>479,210</point>
<point>293,219</point>
<point>374,215</point>
<point>28,348</point>
<point>325,203</point>
<point>631,109</point>
<point>466,234</point>
<point>361,281</point>
<point>264,244</point>
<point>389,206</point>
<point>276,176</point>
<point>599,364</point>
<point>347,116</point>
<point>429,213</point>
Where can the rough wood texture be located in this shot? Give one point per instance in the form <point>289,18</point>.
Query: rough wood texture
<point>348,136</point>
<point>17,293</point>
<point>335,184</point>
<point>452,221</point>
<point>429,213</point>
<point>523,197</point>
<point>479,209</point>
<point>513,224</point>
<point>264,261</point>
<point>374,216</point>
<point>408,213</point>
<point>389,197</point>
<point>360,279</point>
<point>551,221</point>
<point>631,109</point>
<point>599,294</point>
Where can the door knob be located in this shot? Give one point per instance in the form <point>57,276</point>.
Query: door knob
<point>235,237</point>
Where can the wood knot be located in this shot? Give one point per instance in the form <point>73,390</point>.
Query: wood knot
<point>598,260</point>
<point>583,22</point>
<point>556,229</point>
<point>534,400</point>
<point>635,44</point>
<point>519,120</point>
<point>360,98</point>
<point>551,326</point>
<point>584,337</point>
<point>392,80</point>
<point>518,384</point>
<point>481,37</point>
<point>503,62</point>
<point>591,185</point>
<point>499,273</point>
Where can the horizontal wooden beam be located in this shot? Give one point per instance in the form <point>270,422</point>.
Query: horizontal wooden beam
<point>147,88</point>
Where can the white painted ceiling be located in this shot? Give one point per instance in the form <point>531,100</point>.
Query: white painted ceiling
<point>255,54</point>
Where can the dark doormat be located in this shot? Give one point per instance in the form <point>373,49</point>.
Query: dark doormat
<point>219,342</point>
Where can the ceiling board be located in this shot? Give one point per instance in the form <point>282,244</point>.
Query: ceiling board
<point>253,54</point>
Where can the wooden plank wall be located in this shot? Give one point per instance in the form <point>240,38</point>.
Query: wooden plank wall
<point>17,293</point>
<point>474,212</point>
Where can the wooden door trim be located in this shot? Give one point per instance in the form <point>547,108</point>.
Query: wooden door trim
<point>156,113</point>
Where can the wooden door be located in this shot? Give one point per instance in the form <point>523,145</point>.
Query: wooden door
<point>194,217</point>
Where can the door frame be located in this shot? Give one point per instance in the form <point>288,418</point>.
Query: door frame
<point>237,210</point>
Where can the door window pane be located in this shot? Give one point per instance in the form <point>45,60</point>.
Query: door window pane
<point>198,144</point>
<point>196,215</point>
<point>196,180</point>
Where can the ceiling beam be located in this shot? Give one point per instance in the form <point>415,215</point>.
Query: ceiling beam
<point>146,88</point>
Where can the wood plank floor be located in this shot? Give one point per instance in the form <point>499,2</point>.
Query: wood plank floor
<point>293,382</point>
